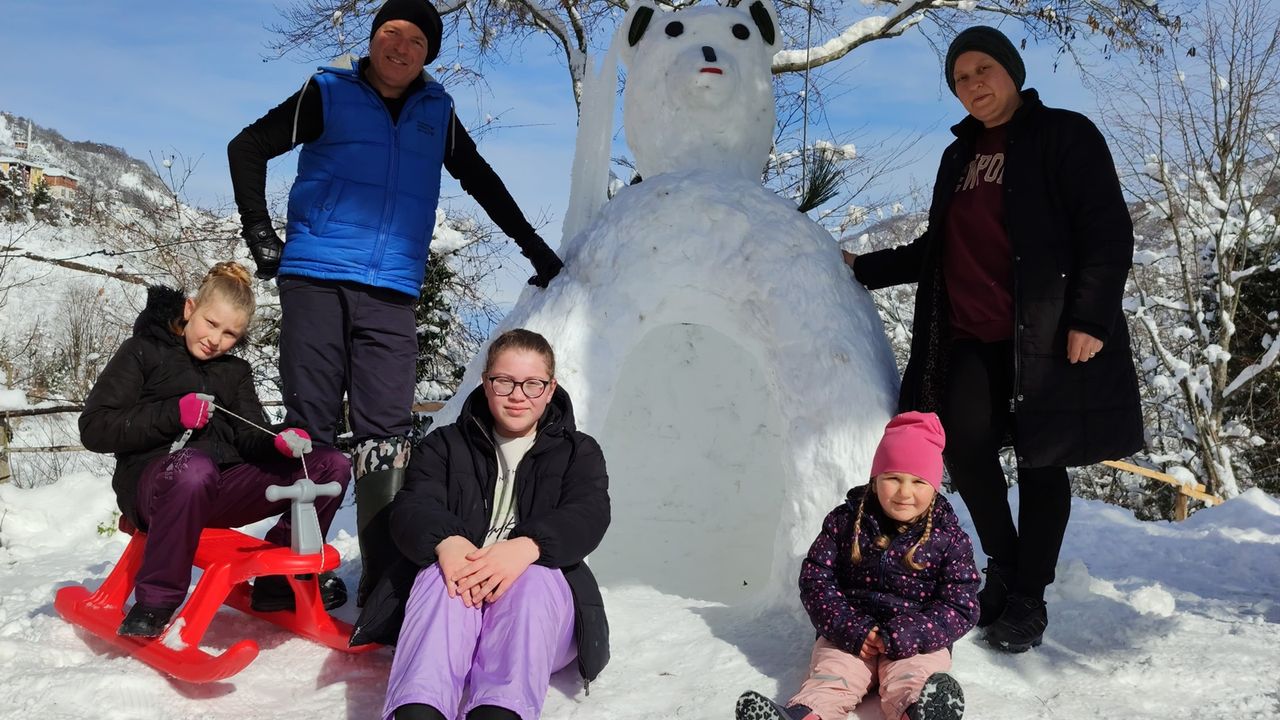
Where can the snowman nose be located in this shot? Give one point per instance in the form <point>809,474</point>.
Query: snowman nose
<point>708,53</point>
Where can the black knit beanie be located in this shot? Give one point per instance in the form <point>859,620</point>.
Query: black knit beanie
<point>420,13</point>
<point>992,42</point>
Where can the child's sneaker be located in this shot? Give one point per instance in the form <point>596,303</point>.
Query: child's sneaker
<point>145,622</point>
<point>754,706</point>
<point>940,699</point>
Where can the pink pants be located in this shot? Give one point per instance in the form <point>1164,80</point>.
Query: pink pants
<point>838,680</point>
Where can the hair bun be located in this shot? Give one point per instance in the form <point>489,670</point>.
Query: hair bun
<point>230,269</point>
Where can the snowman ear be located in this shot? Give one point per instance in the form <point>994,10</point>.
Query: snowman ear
<point>765,17</point>
<point>633,27</point>
<point>639,23</point>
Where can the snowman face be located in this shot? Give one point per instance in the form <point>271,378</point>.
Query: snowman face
<point>696,58</point>
<point>699,88</point>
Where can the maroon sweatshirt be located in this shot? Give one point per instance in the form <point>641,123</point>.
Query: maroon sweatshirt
<point>978,260</point>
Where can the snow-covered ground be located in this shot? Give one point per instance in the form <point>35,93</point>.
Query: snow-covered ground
<point>1147,620</point>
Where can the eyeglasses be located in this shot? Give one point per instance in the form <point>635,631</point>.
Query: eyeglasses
<point>504,386</point>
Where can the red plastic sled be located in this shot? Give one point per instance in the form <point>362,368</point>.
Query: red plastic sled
<point>229,559</point>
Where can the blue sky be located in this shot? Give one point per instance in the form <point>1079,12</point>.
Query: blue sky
<point>165,76</point>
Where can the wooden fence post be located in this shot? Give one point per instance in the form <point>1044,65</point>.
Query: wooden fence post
<point>1180,507</point>
<point>5,474</point>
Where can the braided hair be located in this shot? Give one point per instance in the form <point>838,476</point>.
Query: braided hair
<point>882,540</point>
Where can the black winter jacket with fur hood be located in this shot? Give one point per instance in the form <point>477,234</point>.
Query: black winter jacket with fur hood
<point>132,410</point>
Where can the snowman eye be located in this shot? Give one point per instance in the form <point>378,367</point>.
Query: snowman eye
<point>675,29</point>
<point>741,32</point>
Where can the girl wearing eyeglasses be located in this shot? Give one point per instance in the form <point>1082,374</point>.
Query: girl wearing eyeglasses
<point>497,514</point>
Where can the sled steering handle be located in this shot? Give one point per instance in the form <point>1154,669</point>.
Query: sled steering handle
<point>306,539</point>
<point>303,491</point>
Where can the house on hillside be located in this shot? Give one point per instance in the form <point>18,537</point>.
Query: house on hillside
<point>61,183</point>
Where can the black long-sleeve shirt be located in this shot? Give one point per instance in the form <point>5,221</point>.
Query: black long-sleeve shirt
<point>273,134</point>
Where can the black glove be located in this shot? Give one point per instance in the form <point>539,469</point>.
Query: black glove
<point>265,246</point>
<point>545,261</point>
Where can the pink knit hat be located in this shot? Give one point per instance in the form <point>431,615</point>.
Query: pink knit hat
<point>912,443</point>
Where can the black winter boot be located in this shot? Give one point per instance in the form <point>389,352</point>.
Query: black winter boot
<point>272,593</point>
<point>940,699</point>
<point>754,706</point>
<point>994,594</point>
<point>1022,625</point>
<point>380,470</point>
<point>145,622</point>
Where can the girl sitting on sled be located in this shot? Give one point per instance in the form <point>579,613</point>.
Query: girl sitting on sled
<point>181,466</point>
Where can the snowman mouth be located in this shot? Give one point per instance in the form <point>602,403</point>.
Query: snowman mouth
<point>712,70</point>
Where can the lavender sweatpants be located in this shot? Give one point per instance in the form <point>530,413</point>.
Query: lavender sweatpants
<point>838,681</point>
<point>181,494</point>
<point>506,650</point>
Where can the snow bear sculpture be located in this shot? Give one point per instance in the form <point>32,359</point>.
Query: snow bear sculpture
<point>736,375</point>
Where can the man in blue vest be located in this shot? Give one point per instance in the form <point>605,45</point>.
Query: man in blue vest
<point>362,209</point>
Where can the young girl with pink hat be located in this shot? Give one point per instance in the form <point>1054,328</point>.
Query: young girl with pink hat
<point>890,584</point>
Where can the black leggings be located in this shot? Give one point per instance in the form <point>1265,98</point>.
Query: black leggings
<point>416,711</point>
<point>977,417</point>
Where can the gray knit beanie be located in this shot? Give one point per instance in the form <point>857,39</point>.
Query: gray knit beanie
<point>992,42</point>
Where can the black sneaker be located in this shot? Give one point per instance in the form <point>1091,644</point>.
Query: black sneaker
<point>994,594</point>
<point>145,622</point>
<point>271,593</point>
<point>1021,627</point>
<point>940,699</point>
<point>754,706</point>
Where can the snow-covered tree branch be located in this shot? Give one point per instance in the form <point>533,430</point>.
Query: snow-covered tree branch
<point>1202,146</point>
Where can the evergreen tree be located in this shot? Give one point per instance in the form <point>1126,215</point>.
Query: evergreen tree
<point>41,196</point>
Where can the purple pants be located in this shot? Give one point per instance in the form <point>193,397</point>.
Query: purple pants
<point>181,494</point>
<point>507,651</point>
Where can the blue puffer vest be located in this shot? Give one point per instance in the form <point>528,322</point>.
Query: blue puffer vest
<point>363,205</point>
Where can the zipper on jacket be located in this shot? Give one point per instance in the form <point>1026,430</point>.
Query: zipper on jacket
<point>388,208</point>
<point>393,173</point>
<point>493,447</point>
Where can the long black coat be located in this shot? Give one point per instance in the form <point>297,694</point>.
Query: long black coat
<point>132,410</point>
<point>562,502</point>
<point>1072,242</point>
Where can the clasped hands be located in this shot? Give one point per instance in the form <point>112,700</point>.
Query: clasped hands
<point>872,646</point>
<point>482,575</point>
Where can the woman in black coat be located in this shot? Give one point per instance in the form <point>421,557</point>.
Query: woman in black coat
<point>497,514</point>
<point>1018,337</point>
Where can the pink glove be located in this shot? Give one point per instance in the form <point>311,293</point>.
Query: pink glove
<point>194,410</point>
<point>293,442</point>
